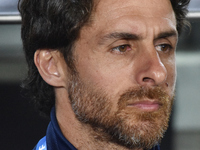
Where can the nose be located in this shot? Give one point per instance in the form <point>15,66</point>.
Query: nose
<point>152,71</point>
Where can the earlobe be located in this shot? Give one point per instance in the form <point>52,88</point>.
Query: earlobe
<point>47,64</point>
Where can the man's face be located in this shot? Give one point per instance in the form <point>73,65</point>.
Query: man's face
<point>125,61</point>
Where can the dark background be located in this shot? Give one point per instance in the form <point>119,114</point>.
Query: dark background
<point>21,127</point>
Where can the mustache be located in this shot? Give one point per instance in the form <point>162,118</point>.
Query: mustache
<point>139,93</point>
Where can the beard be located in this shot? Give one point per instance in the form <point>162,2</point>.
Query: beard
<point>128,127</point>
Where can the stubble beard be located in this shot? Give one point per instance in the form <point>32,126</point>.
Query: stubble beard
<point>127,127</point>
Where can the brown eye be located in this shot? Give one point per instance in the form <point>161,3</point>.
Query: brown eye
<point>163,47</point>
<point>121,48</point>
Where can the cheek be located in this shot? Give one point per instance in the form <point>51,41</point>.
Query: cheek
<point>99,76</point>
<point>106,75</point>
<point>91,71</point>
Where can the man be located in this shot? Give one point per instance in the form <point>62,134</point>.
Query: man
<point>104,68</point>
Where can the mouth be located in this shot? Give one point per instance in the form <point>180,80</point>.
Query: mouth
<point>146,105</point>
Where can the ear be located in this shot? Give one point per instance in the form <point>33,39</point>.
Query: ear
<point>51,66</point>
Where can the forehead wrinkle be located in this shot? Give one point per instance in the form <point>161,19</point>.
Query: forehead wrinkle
<point>118,35</point>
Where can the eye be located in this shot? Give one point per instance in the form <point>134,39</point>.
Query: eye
<point>121,48</point>
<point>163,47</point>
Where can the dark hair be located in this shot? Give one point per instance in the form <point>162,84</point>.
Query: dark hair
<point>55,25</point>
<point>49,24</point>
<point>180,8</point>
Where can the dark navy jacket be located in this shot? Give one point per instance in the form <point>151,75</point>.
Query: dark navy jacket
<point>55,139</point>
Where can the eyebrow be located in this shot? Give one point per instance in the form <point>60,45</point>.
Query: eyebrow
<point>119,35</point>
<point>166,34</point>
<point>130,36</point>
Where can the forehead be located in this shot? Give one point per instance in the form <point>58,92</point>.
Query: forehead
<point>108,10</point>
<point>151,8</point>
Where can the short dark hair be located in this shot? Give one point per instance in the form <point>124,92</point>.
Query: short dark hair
<point>55,25</point>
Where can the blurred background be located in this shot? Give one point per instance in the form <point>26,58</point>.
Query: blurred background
<point>21,126</point>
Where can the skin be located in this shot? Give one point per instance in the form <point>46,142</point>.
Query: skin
<point>128,44</point>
